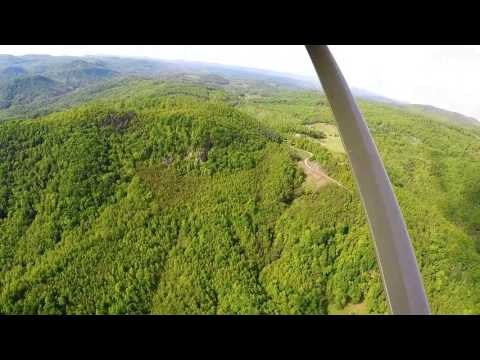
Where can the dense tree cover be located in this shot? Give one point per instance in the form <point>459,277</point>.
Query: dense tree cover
<point>24,90</point>
<point>173,197</point>
<point>35,85</point>
<point>433,166</point>
<point>110,209</point>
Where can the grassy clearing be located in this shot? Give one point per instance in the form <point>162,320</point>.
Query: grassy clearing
<point>350,309</point>
<point>332,141</point>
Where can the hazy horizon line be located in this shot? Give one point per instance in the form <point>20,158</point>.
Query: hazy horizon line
<point>297,76</point>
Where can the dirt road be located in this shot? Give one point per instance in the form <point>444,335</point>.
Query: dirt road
<point>316,176</point>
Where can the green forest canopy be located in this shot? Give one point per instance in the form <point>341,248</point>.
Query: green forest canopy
<point>171,197</point>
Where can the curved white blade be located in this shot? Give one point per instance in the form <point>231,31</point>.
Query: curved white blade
<point>394,250</point>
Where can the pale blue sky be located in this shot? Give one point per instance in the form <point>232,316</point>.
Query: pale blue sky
<point>442,76</point>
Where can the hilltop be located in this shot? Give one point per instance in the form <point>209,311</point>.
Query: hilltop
<point>67,77</point>
<point>187,194</point>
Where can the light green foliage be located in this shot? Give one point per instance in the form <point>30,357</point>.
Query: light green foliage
<point>175,197</point>
<point>433,166</point>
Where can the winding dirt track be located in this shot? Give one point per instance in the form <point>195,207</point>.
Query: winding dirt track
<point>316,173</point>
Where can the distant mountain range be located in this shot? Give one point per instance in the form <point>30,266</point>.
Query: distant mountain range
<point>443,114</point>
<point>34,80</point>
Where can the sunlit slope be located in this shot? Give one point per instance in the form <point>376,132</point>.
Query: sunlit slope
<point>165,207</point>
<point>181,198</point>
<point>434,167</point>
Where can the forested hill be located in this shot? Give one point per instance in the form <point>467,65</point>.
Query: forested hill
<point>444,115</point>
<point>30,83</point>
<point>35,85</point>
<point>176,197</point>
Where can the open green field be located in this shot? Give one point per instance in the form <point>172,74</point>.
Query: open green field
<point>351,309</point>
<point>332,140</point>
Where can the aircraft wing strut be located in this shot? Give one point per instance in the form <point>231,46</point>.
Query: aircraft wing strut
<point>395,254</point>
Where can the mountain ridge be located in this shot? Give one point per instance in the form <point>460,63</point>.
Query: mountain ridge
<point>78,72</point>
